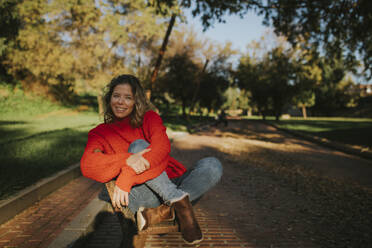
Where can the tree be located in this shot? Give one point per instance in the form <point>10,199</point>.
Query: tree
<point>184,44</point>
<point>196,72</point>
<point>334,93</point>
<point>342,28</point>
<point>9,26</point>
<point>179,80</point>
<point>332,25</point>
<point>304,99</point>
<point>212,87</point>
<point>270,80</point>
<point>244,103</point>
<point>231,95</point>
<point>237,98</point>
<point>308,77</point>
<point>216,79</point>
<point>83,43</point>
<point>249,77</point>
<point>162,50</point>
<point>280,75</point>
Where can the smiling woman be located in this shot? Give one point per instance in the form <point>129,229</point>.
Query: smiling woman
<point>125,97</point>
<point>132,147</point>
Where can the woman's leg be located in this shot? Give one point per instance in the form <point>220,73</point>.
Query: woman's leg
<point>154,191</point>
<point>142,196</point>
<point>199,179</point>
<point>139,196</point>
<point>176,199</point>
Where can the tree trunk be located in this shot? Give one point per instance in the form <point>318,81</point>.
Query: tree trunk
<point>184,109</point>
<point>304,114</point>
<point>162,51</point>
<point>193,102</point>
<point>249,112</point>
<point>101,108</point>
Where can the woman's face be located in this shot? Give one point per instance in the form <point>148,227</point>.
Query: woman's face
<point>122,101</point>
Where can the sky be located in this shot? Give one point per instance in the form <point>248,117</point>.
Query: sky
<point>240,31</point>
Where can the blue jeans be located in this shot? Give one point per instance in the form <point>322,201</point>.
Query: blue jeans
<point>195,182</point>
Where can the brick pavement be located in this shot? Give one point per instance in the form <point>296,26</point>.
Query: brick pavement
<point>38,225</point>
<point>217,233</point>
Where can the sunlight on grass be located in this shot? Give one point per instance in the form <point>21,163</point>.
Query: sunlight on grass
<point>24,127</point>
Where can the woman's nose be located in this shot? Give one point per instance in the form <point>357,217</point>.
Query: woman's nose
<point>121,100</point>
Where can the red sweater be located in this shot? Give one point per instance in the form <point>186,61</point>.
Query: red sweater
<point>114,139</point>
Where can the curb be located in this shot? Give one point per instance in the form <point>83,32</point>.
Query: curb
<point>25,198</point>
<point>83,224</point>
<point>327,143</point>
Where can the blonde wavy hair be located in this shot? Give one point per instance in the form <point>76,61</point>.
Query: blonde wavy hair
<point>141,104</point>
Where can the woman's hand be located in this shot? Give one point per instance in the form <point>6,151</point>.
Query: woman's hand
<point>138,163</point>
<point>120,198</point>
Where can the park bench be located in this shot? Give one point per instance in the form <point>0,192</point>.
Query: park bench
<point>132,238</point>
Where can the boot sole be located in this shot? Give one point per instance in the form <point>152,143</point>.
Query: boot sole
<point>195,241</point>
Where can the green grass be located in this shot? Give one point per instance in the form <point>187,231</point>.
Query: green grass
<point>37,138</point>
<point>26,161</point>
<point>21,128</point>
<point>351,131</point>
<point>14,103</point>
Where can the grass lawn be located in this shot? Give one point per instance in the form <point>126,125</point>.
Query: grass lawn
<point>26,161</point>
<point>35,147</point>
<point>37,138</point>
<point>352,131</point>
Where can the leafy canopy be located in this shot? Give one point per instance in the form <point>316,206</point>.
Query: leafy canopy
<point>339,28</point>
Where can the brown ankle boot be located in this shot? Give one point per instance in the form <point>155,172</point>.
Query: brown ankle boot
<point>191,232</point>
<point>150,216</point>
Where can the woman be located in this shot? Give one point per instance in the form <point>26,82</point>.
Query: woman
<point>133,147</point>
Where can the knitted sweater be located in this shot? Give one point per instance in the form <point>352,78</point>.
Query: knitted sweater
<point>114,139</point>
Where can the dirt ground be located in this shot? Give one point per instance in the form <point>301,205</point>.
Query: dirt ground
<point>280,191</point>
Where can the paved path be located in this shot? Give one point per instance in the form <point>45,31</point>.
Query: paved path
<point>38,225</point>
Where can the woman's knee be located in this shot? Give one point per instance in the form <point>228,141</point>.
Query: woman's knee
<point>213,167</point>
<point>138,145</point>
